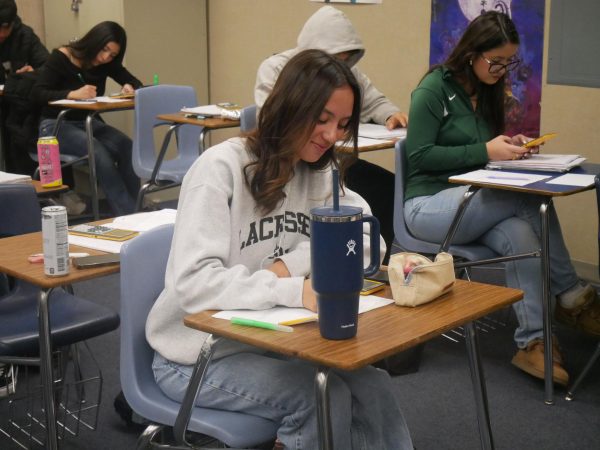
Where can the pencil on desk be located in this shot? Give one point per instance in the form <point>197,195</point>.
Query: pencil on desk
<point>299,321</point>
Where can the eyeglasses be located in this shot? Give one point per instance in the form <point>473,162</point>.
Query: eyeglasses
<point>496,67</point>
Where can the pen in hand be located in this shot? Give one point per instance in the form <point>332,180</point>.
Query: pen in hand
<point>81,78</point>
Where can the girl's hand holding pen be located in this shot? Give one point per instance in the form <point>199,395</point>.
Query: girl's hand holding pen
<point>83,93</point>
<point>127,89</point>
<point>502,148</point>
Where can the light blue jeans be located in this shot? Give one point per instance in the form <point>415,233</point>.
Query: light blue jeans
<point>365,411</point>
<point>508,223</point>
<point>112,150</point>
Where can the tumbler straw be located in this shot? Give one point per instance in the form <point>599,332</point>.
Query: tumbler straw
<point>336,190</point>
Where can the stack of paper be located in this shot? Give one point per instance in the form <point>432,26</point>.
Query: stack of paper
<point>213,111</point>
<point>6,177</point>
<point>374,131</point>
<point>546,163</point>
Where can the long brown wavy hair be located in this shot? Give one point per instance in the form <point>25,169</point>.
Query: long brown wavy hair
<point>287,119</point>
<point>490,30</point>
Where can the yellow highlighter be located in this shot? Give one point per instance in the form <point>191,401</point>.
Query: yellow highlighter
<point>299,321</point>
<point>540,140</point>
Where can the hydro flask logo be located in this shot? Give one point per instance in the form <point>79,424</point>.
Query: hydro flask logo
<point>351,244</point>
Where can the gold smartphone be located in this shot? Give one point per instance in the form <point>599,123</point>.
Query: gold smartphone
<point>540,140</point>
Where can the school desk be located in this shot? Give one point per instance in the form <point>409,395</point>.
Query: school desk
<point>546,192</point>
<point>92,108</point>
<point>208,124</point>
<point>13,262</point>
<point>381,332</point>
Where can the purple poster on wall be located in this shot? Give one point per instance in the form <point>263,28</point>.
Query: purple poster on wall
<point>449,18</point>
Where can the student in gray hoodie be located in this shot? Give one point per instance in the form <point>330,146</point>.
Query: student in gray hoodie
<point>330,30</point>
<point>242,242</point>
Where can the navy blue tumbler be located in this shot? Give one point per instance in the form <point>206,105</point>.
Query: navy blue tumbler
<point>337,271</point>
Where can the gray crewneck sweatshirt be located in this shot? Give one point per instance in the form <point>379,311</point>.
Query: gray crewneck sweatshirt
<point>222,246</point>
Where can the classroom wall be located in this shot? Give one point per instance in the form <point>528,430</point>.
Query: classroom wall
<point>168,38</point>
<point>396,36</point>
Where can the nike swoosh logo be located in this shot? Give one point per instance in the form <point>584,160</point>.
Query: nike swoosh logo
<point>452,98</point>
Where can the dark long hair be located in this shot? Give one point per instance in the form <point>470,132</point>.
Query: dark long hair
<point>490,30</point>
<point>87,48</point>
<point>287,119</point>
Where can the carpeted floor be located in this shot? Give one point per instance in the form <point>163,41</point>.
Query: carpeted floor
<point>438,400</point>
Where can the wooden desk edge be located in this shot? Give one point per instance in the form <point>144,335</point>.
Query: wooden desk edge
<point>264,338</point>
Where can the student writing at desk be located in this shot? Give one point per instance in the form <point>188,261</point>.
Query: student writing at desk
<point>457,125</point>
<point>330,30</point>
<point>242,241</point>
<point>78,71</point>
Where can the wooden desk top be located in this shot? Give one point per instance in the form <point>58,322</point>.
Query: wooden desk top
<point>368,148</point>
<point>209,122</point>
<point>97,106</point>
<point>542,187</point>
<point>43,191</point>
<point>13,261</point>
<point>381,332</point>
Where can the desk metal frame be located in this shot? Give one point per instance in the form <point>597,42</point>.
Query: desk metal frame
<point>93,110</point>
<point>13,262</point>
<point>547,192</point>
<point>362,350</point>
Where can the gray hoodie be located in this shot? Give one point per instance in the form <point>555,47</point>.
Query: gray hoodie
<point>330,30</point>
<point>222,245</point>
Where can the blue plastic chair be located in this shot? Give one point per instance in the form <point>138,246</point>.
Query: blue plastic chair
<point>248,119</point>
<point>72,319</point>
<point>149,164</point>
<point>406,241</point>
<point>143,264</point>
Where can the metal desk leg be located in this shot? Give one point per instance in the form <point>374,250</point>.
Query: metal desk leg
<point>323,417</point>
<point>189,400</point>
<point>201,139</point>
<point>467,196</point>
<point>481,403</point>
<point>46,369</point>
<point>89,131</point>
<point>546,301</point>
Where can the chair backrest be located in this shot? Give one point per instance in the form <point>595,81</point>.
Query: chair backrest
<point>154,100</point>
<point>143,264</point>
<point>403,236</point>
<point>405,240</point>
<point>248,119</point>
<point>20,210</point>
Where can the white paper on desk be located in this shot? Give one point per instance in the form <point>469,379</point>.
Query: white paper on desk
<point>144,221</point>
<point>574,179</point>
<point>374,131</point>
<point>102,99</point>
<point>213,111</point>
<point>282,313</point>
<point>7,177</point>
<point>364,142</point>
<point>499,177</point>
<point>136,222</point>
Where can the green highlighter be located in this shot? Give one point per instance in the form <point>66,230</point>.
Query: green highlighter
<point>260,324</point>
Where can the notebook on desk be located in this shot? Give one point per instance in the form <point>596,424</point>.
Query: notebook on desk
<point>540,162</point>
<point>222,110</point>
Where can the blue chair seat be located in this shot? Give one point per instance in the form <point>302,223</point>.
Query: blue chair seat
<point>72,319</point>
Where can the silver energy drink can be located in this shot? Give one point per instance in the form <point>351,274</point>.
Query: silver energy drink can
<point>56,244</point>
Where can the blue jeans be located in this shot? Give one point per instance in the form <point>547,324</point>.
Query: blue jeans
<point>112,150</point>
<point>508,223</point>
<point>365,411</point>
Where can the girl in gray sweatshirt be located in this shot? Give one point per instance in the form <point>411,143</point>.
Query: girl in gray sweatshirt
<point>242,241</point>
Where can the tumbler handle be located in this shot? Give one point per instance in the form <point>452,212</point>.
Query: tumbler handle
<point>375,251</point>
